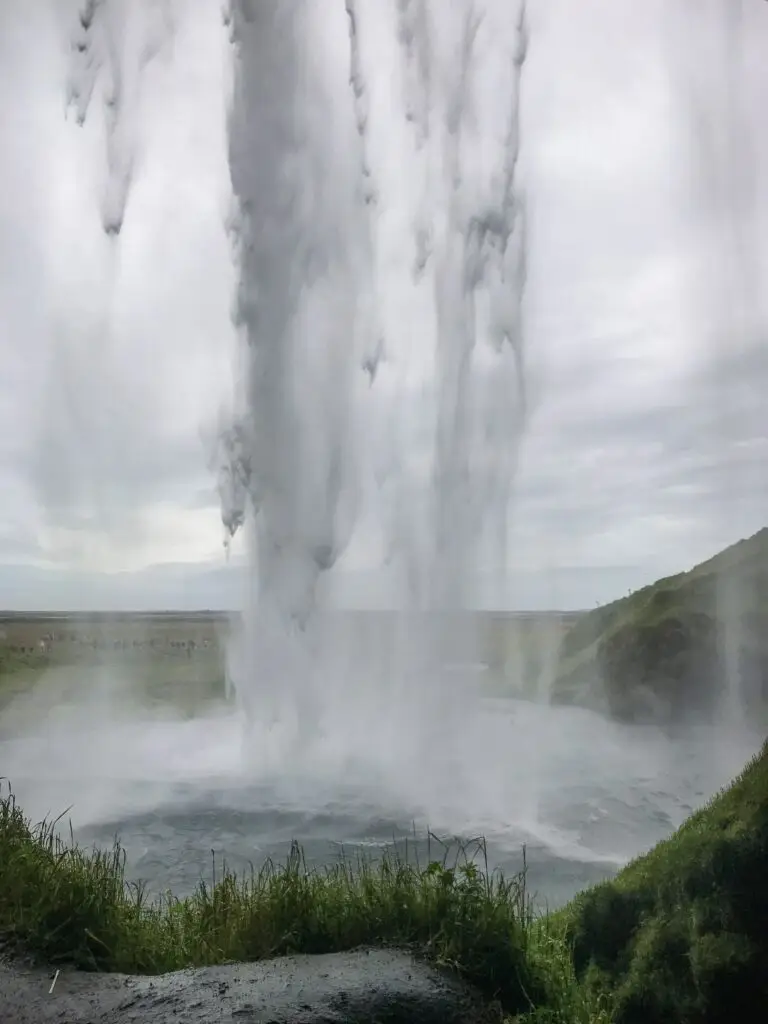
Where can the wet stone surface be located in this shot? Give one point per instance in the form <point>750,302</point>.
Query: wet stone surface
<point>363,987</point>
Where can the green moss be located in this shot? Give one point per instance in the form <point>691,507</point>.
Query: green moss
<point>680,934</point>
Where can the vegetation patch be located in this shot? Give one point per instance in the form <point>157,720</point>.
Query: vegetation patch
<point>663,652</point>
<point>680,934</point>
<point>64,904</point>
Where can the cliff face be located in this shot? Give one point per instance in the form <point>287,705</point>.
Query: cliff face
<point>674,648</point>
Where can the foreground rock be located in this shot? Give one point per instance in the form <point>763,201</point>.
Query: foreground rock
<point>344,988</point>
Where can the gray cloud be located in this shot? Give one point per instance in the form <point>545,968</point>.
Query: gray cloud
<point>115,358</point>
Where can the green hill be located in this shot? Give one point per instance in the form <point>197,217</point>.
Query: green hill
<point>680,934</point>
<point>666,651</point>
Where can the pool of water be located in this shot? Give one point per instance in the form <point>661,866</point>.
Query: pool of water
<point>187,792</point>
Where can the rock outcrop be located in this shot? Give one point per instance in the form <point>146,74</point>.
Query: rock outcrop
<point>363,987</point>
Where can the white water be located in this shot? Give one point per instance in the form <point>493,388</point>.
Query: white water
<point>379,227</point>
<point>727,302</point>
<point>737,320</point>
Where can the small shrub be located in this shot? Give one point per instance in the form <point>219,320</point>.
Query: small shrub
<point>604,926</point>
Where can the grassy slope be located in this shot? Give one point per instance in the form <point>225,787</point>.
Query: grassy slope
<point>660,650</point>
<point>681,935</point>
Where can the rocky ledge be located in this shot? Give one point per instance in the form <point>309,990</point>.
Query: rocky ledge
<point>362,987</point>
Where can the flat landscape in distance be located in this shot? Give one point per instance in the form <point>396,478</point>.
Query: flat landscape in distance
<point>156,657</point>
<point>182,653</point>
<point>56,635</point>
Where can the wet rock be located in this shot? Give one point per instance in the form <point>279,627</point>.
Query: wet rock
<point>382,986</point>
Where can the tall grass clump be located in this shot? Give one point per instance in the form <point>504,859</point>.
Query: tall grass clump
<point>64,904</point>
<point>565,998</point>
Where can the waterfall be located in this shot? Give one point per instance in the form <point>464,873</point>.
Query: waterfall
<point>379,234</point>
<point>380,242</point>
<point>727,292</point>
<point>114,41</point>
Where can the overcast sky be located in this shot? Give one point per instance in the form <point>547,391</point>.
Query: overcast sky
<point>646,449</point>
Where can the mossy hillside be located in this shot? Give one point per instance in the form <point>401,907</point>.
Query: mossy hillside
<point>681,934</point>
<point>660,652</point>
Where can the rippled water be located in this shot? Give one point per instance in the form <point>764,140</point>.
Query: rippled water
<point>582,794</point>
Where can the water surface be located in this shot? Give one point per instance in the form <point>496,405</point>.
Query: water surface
<point>186,792</point>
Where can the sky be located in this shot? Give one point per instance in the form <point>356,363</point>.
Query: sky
<point>645,450</point>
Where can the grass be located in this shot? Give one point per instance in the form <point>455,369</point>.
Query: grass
<point>680,934</point>
<point>68,905</point>
<point>678,937</point>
